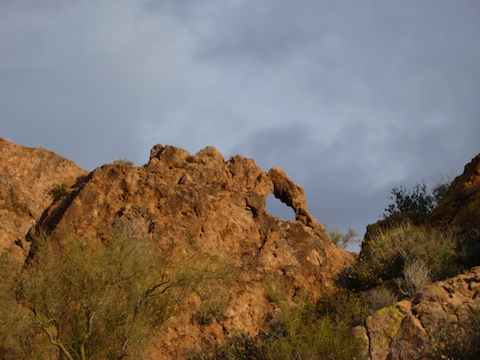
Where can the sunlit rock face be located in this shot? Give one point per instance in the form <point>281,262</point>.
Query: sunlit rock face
<point>202,204</point>
<point>27,176</point>
<point>461,204</point>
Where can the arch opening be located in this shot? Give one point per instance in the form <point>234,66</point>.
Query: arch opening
<point>277,208</point>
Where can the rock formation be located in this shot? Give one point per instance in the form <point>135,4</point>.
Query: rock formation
<point>403,330</point>
<point>27,177</point>
<point>460,206</point>
<point>204,204</point>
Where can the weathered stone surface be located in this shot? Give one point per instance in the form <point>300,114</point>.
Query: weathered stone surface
<point>461,205</point>
<point>382,328</point>
<point>400,331</point>
<point>203,204</point>
<point>27,175</point>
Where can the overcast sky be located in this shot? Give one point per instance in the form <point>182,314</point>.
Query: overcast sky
<point>350,98</point>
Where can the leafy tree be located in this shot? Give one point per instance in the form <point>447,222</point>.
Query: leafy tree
<point>79,300</point>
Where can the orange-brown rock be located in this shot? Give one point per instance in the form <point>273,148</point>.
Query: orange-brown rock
<point>204,204</point>
<point>27,175</point>
<point>461,205</point>
<point>401,331</point>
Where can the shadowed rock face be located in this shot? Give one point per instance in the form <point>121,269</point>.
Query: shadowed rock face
<point>27,175</point>
<point>202,203</point>
<point>399,332</point>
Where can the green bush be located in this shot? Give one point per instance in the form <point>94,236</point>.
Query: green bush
<point>90,299</point>
<point>58,190</point>
<point>321,331</point>
<point>391,251</point>
<point>342,239</point>
<point>301,330</point>
<point>455,342</point>
<point>419,200</point>
<point>123,161</point>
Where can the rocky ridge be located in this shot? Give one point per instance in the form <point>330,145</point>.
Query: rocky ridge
<point>203,204</point>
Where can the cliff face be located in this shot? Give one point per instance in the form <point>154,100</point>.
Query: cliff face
<point>202,203</point>
<point>403,330</point>
<point>400,331</point>
<point>461,204</point>
<point>27,175</point>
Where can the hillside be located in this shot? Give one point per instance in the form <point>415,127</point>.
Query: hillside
<point>200,204</point>
<point>225,266</point>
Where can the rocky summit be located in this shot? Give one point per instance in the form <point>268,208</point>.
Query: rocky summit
<point>202,203</point>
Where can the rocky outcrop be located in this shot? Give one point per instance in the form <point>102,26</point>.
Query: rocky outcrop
<point>403,331</point>
<point>27,175</point>
<point>460,206</point>
<point>203,204</point>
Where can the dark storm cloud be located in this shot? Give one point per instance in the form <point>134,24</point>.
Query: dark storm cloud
<point>350,98</point>
<point>261,32</point>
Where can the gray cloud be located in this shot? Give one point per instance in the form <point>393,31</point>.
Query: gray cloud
<point>350,98</point>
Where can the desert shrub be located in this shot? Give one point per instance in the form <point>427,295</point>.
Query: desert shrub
<point>240,347</point>
<point>380,297</point>
<point>90,299</point>
<point>418,200</point>
<point>416,275</point>
<point>342,239</point>
<point>123,161</point>
<point>317,331</point>
<point>455,342</point>
<point>211,308</point>
<point>58,190</point>
<point>214,292</point>
<point>301,329</point>
<point>392,249</point>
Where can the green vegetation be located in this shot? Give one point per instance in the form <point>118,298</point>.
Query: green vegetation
<point>58,190</point>
<point>123,161</point>
<point>239,346</point>
<point>317,331</point>
<point>301,329</point>
<point>342,239</point>
<point>451,341</point>
<point>414,254</point>
<point>419,200</point>
<point>78,299</point>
